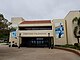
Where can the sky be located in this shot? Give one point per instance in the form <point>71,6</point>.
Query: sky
<point>38,9</point>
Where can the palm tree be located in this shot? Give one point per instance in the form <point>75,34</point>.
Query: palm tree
<point>76,28</point>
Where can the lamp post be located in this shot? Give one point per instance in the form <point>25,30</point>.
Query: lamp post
<point>49,40</point>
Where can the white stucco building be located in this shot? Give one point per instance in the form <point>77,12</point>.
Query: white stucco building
<point>44,32</point>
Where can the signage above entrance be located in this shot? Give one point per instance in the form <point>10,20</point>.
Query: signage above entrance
<point>34,33</point>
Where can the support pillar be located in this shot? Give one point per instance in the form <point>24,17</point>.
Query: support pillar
<point>52,42</point>
<point>19,40</point>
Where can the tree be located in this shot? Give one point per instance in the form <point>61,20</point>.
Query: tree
<point>76,28</point>
<point>4,30</point>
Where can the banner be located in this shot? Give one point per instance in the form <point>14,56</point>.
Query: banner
<point>13,34</point>
<point>59,30</point>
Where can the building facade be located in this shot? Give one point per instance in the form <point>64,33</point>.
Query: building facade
<point>44,33</point>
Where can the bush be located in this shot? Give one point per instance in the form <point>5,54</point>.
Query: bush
<point>76,44</point>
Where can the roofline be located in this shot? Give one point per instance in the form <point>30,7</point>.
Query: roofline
<point>72,11</point>
<point>35,21</point>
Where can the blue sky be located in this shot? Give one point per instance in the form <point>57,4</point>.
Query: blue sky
<point>38,9</point>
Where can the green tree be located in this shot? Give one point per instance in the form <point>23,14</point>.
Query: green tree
<point>4,30</point>
<point>76,31</point>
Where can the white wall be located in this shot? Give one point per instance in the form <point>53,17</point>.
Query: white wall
<point>70,16</point>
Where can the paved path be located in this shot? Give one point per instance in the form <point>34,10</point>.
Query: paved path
<point>7,53</point>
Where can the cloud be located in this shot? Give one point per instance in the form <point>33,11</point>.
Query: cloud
<point>37,9</point>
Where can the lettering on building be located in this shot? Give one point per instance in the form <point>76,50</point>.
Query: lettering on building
<point>34,33</point>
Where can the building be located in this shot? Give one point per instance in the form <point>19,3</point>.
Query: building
<point>44,33</point>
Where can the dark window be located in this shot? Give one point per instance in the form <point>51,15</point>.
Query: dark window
<point>36,28</point>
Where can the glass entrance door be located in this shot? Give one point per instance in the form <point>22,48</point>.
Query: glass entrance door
<point>36,42</point>
<point>40,42</point>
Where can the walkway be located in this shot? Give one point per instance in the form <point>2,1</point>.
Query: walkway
<point>14,53</point>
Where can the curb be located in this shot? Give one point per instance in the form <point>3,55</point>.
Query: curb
<point>69,49</point>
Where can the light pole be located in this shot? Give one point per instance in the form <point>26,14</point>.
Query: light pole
<point>49,41</point>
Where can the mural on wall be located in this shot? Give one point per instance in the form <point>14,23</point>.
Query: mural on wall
<point>13,34</point>
<point>59,30</point>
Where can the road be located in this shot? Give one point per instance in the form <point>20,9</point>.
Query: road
<point>14,53</point>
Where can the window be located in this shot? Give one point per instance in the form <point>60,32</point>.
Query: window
<point>36,28</point>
